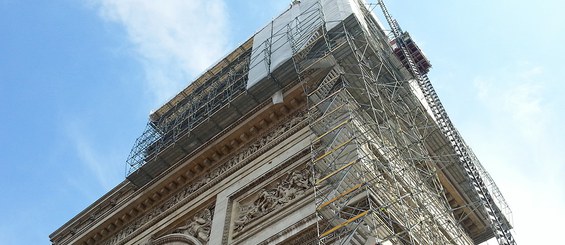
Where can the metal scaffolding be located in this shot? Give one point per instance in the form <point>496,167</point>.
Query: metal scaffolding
<point>183,125</point>
<point>373,154</point>
<point>383,152</point>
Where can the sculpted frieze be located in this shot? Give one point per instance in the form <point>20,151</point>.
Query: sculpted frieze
<point>238,159</point>
<point>199,226</point>
<point>275,196</point>
<point>195,230</point>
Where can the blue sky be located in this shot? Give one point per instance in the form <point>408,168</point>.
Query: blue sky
<point>79,78</point>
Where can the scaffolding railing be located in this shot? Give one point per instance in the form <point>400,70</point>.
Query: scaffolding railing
<point>195,108</point>
<point>218,88</point>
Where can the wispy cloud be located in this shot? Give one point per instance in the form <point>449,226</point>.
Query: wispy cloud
<point>175,39</point>
<point>520,143</point>
<point>518,98</point>
<point>102,166</point>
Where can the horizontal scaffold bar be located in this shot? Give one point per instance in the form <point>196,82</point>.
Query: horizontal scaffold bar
<point>357,186</point>
<point>327,97</point>
<point>361,215</point>
<point>331,130</point>
<point>333,150</point>
<point>336,171</point>
<point>327,114</point>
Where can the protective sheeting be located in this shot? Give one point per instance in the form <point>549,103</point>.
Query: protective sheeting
<point>274,44</point>
<point>259,67</point>
<point>288,33</point>
<point>335,11</point>
<point>278,97</point>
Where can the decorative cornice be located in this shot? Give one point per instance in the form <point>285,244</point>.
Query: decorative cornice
<point>103,206</point>
<point>168,239</point>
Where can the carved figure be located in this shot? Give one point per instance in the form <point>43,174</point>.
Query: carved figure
<point>269,199</point>
<point>199,226</point>
<point>245,213</point>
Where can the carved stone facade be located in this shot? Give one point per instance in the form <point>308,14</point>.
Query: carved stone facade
<point>234,162</point>
<point>196,231</point>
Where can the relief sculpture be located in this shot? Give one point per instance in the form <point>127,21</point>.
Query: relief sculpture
<point>282,192</point>
<point>198,227</point>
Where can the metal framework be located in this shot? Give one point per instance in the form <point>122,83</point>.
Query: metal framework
<point>377,172</point>
<point>190,110</point>
<point>383,148</point>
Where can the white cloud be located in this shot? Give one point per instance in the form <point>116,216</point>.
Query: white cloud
<point>175,39</point>
<point>524,104</point>
<point>518,143</point>
<point>103,166</point>
<point>516,100</point>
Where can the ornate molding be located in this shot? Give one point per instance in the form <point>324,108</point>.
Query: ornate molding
<point>100,209</point>
<point>81,224</point>
<point>307,234</point>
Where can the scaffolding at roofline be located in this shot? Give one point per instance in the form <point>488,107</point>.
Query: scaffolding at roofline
<point>189,110</point>
<point>213,104</point>
<point>377,174</point>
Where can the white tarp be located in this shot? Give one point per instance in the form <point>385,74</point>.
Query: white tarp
<point>335,11</point>
<point>273,45</point>
<point>258,68</point>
